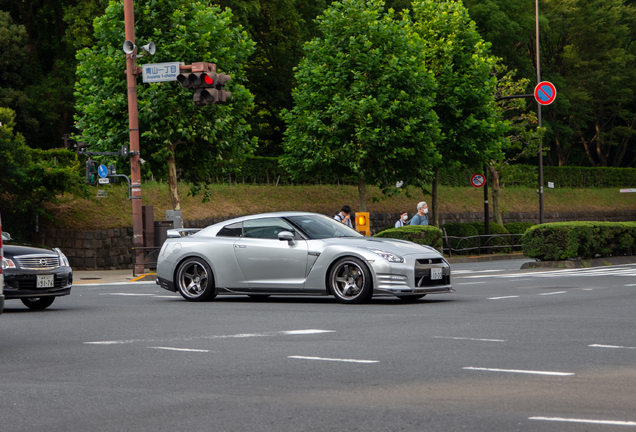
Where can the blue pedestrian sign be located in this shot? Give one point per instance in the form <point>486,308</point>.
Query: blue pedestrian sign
<point>102,171</point>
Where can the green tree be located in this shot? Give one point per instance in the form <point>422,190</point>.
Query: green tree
<point>30,177</point>
<point>363,101</point>
<point>174,132</point>
<point>523,137</point>
<point>472,132</point>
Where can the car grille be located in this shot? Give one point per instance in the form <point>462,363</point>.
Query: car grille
<point>423,273</point>
<point>38,262</point>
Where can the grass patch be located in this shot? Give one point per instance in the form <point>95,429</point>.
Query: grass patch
<point>115,211</point>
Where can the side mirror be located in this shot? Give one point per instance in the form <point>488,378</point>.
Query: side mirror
<point>7,235</point>
<point>286,236</point>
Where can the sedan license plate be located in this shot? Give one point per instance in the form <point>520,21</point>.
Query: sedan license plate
<point>45,281</point>
<point>436,273</point>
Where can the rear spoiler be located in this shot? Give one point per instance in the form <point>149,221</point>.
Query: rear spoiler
<point>182,232</point>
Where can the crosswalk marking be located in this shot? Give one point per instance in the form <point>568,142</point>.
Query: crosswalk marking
<point>628,270</point>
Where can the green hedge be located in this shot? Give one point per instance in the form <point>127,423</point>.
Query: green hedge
<point>574,177</point>
<point>518,227</point>
<point>563,240</point>
<point>420,234</point>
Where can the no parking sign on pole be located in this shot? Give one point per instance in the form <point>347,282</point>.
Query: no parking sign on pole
<point>545,93</point>
<point>477,180</point>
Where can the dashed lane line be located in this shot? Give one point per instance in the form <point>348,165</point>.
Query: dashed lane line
<point>333,359</point>
<point>588,421</point>
<point>179,349</point>
<point>552,293</point>
<point>519,371</point>
<point>504,297</point>
<point>610,346</point>
<point>470,339</point>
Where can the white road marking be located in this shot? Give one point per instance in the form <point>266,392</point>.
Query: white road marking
<point>127,294</point>
<point>467,338</point>
<point>168,296</point>
<point>475,271</point>
<point>574,420</point>
<point>610,346</point>
<point>504,297</point>
<point>333,359</point>
<point>587,289</point>
<point>179,349</point>
<point>557,292</point>
<point>240,335</point>
<point>630,285</point>
<point>626,270</point>
<point>470,283</point>
<point>520,371</point>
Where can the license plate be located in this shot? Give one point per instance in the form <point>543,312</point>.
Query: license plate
<point>45,281</point>
<point>436,273</point>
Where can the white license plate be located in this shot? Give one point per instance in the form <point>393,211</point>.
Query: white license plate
<point>45,281</point>
<point>436,273</point>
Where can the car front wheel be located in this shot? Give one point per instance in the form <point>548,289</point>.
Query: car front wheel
<point>38,303</point>
<point>195,280</point>
<point>350,281</point>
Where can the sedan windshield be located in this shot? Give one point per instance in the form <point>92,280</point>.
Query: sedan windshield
<point>321,227</point>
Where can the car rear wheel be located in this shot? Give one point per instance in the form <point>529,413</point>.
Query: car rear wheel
<point>195,281</point>
<point>38,303</point>
<point>350,281</point>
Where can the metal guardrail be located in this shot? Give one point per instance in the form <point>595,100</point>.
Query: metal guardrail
<point>150,257</point>
<point>481,243</point>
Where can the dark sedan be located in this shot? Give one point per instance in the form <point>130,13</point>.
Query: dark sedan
<point>34,274</point>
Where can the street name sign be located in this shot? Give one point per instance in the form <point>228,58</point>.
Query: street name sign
<point>545,93</point>
<point>477,180</point>
<point>104,180</point>
<point>159,72</point>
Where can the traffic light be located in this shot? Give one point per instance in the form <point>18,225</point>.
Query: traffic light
<point>208,84</point>
<point>363,224</point>
<point>91,172</point>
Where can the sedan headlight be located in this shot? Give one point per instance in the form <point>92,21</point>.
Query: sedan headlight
<point>390,257</point>
<point>63,258</point>
<point>7,264</point>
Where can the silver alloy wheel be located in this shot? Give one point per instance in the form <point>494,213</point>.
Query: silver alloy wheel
<point>348,280</point>
<point>193,279</point>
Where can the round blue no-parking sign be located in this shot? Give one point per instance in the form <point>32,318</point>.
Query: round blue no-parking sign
<point>545,93</point>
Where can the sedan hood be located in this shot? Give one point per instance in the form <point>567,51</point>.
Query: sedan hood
<point>400,247</point>
<point>12,248</point>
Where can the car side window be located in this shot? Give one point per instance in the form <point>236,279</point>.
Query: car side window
<point>232,230</point>
<point>266,228</point>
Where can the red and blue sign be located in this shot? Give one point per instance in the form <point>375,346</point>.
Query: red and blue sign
<point>477,180</point>
<point>545,93</point>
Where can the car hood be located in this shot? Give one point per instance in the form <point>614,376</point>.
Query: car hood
<point>400,247</point>
<point>12,248</point>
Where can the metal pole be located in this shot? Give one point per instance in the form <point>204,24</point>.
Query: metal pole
<point>541,220</point>
<point>133,125</point>
<point>486,209</point>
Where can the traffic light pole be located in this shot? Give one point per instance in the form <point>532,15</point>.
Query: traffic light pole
<point>133,122</point>
<point>541,218</point>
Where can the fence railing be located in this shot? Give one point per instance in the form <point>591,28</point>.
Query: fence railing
<point>149,257</point>
<point>481,243</point>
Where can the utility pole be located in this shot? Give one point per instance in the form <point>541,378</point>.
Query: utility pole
<point>133,128</point>
<point>541,219</point>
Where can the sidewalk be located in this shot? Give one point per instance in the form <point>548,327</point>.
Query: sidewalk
<point>109,276</point>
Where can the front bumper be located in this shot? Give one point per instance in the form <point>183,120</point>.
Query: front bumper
<point>23,283</point>
<point>413,276</point>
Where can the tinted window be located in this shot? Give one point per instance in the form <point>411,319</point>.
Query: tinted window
<point>267,228</point>
<point>233,230</point>
<point>320,227</point>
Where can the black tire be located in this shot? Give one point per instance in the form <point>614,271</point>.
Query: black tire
<point>350,281</point>
<point>38,303</point>
<point>195,281</point>
<point>411,298</point>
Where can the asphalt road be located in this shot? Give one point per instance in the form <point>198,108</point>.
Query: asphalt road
<point>540,350</point>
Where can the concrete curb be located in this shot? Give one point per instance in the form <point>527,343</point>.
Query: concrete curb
<point>579,263</point>
<point>146,277</point>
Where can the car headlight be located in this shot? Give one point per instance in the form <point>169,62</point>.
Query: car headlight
<point>63,258</point>
<point>7,264</point>
<point>390,257</point>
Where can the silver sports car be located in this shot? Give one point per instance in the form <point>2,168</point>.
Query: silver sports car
<point>295,253</point>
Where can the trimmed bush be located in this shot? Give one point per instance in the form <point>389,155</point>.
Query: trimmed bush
<point>420,234</point>
<point>518,227</point>
<point>563,240</point>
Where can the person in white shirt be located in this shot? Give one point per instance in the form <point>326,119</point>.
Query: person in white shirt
<point>402,221</point>
<point>344,216</point>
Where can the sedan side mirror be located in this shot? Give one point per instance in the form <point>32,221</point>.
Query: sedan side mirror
<point>286,236</point>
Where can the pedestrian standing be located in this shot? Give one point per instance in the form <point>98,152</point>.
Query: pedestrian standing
<point>421,218</point>
<point>402,221</point>
<point>344,216</point>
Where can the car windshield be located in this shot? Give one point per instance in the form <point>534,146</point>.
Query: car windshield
<point>5,237</point>
<point>321,227</point>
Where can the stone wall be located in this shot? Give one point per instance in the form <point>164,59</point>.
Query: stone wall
<point>105,250</point>
<point>111,249</point>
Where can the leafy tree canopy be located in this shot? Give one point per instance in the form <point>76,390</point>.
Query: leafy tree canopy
<point>363,105</point>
